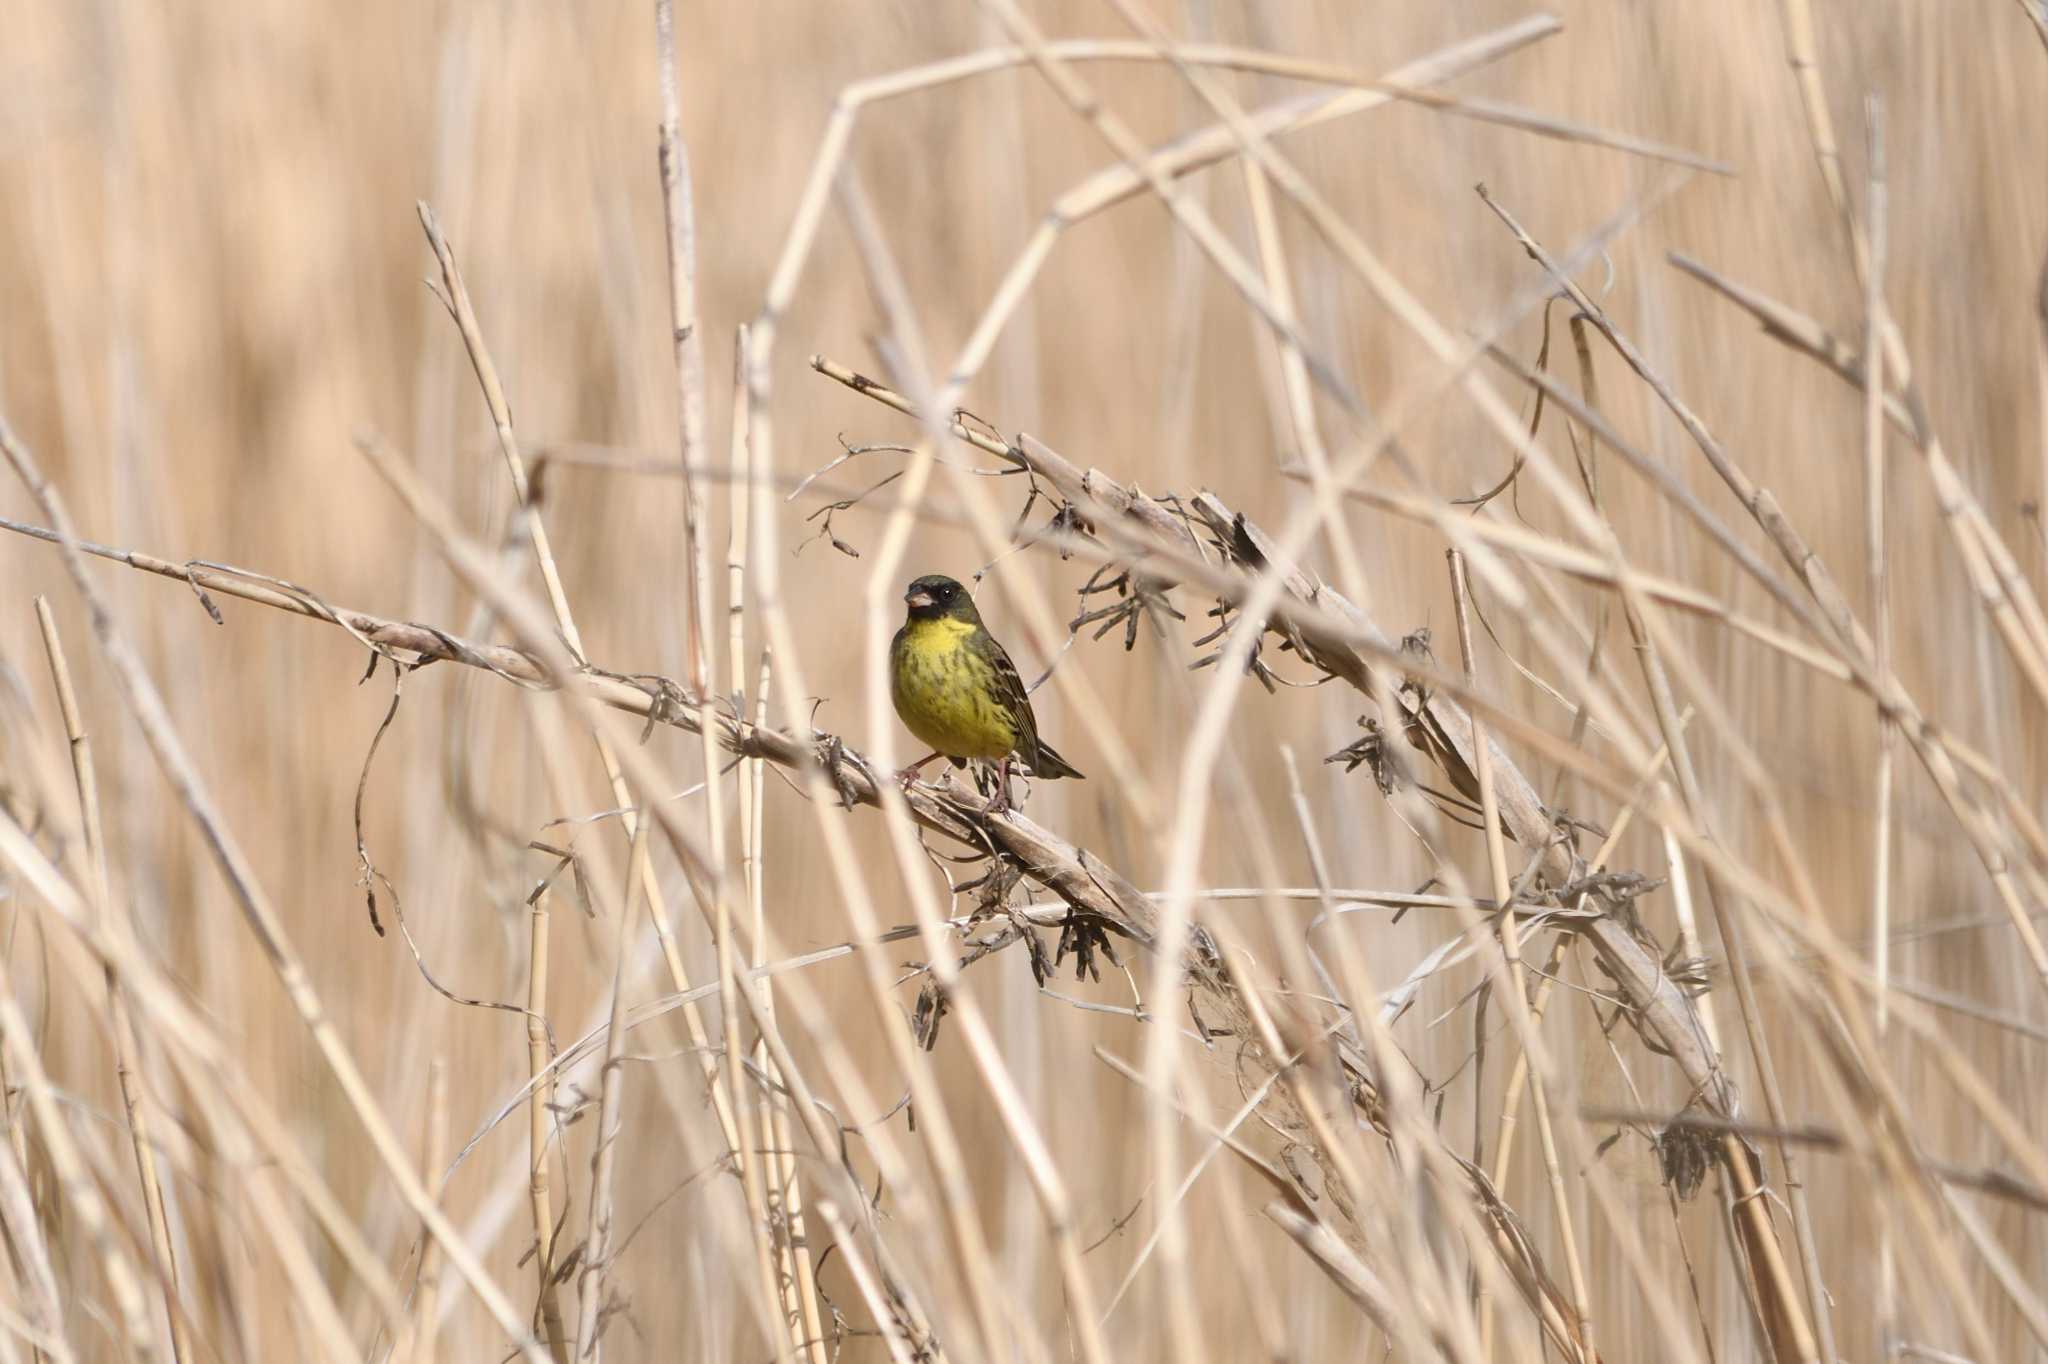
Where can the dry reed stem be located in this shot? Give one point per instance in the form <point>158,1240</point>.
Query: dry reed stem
<point>1047,1184</point>
<point>539,1116</point>
<point>547,658</point>
<point>456,296</point>
<point>1137,172</point>
<point>800,1294</point>
<point>794,1270</point>
<point>418,1343</point>
<point>2002,589</point>
<point>1096,490</point>
<point>1938,750</point>
<point>1100,191</point>
<point>1481,754</point>
<point>75,1179</point>
<point>1511,953</point>
<point>1829,600</point>
<point>148,709</point>
<point>1874,530</point>
<point>2037,15</point>
<point>1518,1077</point>
<point>120,1024</point>
<point>1783,1318</point>
<point>1840,981</point>
<point>598,1250</point>
<point>1042,1171</point>
<point>1784,1324</point>
<point>871,1291</point>
<point>43,1323</point>
<point>537,639</point>
<point>26,1252</point>
<point>679,219</point>
<point>203,1062</point>
<point>1342,640</point>
<point>1589,567</point>
<point>1489,1226</point>
<point>1815,575</point>
<point>1299,404</point>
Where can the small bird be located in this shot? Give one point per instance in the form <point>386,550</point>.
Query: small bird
<point>956,689</point>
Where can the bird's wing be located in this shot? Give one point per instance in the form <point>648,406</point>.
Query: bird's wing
<point>1011,695</point>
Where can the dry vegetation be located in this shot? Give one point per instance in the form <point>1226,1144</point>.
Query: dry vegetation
<point>1395,552</point>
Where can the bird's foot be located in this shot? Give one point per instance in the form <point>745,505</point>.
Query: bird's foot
<point>999,803</point>
<point>915,772</point>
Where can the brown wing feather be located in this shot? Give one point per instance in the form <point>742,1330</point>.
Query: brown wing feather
<point>1015,699</point>
<point>1011,696</point>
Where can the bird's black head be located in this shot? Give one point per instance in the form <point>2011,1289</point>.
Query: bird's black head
<point>937,597</point>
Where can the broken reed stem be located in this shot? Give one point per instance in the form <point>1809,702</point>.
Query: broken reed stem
<point>752,1155</point>
<point>1511,1100</point>
<point>799,1283</point>
<point>597,1251</point>
<point>538,1110</point>
<point>1518,1078</point>
<point>678,215</point>
<point>799,1277</point>
<point>1789,1323</point>
<point>757,1108</point>
<point>456,297</point>
<point>123,1027</point>
<point>1518,983</point>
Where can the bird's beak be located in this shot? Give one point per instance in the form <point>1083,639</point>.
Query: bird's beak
<point>917,599</point>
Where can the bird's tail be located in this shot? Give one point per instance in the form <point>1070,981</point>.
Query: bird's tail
<point>1047,765</point>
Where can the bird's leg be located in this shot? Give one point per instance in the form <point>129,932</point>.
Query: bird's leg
<point>1000,801</point>
<point>909,774</point>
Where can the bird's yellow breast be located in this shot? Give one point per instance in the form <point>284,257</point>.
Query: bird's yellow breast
<point>945,691</point>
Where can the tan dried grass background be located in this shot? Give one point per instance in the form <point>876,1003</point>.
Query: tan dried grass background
<point>210,277</point>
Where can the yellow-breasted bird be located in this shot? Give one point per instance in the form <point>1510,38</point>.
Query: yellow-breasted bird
<point>956,689</point>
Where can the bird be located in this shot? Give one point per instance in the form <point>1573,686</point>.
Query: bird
<point>956,689</point>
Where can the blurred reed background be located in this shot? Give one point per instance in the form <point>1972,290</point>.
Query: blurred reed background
<point>212,277</point>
